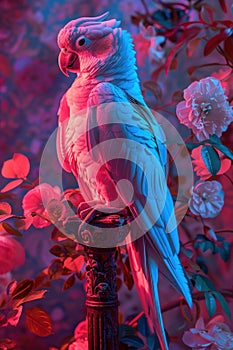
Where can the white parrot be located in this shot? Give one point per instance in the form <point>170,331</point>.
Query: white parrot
<point>103,117</point>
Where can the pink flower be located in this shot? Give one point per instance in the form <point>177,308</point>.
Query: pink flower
<point>81,337</point>
<point>207,199</point>
<point>44,200</point>
<point>216,335</point>
<point>200,167</point>
<point>12,254</point>
<point>148,44</point>
<point>205,110</point>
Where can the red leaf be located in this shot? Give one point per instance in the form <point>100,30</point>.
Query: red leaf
<point>171,55</point>
<point>11,230</point>
<point>17,168</point>
<point>177,96</point>
<point>38,294</point>
<point>74,264</point>
<point>228,48</point>
<point>192,69</point>
<point>154,88</point>
<point>5,208</point>
<point>11,185</point>
<point>23,289</point>
<point>188,34</point>
<point>7,344</point>
<point>69,282</point>
<point>191,46</point>
<point>216,40</point>
<point>14,316</point>
<point>174,64</point>
<point>57,235</point>
<point>39,322</point>
<point>207,14</point>
<point>5,211</point>
<point>55,269</point>
<point>223,5</point>
<point>58,250</point>
<point>11,286</point>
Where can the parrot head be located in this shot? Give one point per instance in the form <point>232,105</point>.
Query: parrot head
<point>87,43</point>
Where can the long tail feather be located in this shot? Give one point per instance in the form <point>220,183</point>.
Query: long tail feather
<point>145,262</point>
<point>145,273</point>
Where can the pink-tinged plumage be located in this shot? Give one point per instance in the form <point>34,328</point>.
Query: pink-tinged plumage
<point>103,120</point>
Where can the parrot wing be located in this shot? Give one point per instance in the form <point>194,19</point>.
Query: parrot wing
<point>132,151</point>
<point>63,122</point>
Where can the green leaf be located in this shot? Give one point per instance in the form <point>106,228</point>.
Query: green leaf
<point>143,326</point>
<point>203,283</point>
<point>205,245</point>
<point>210,303</point>
<point>187,252</point>
<point>222,301</point>
<point>191,146</point>
<point>225,252</point>
<point>211,159</point>
<point>126,331</point>
<point>216,142</point>
<point>133,340</point>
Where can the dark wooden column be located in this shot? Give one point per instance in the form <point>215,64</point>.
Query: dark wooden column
<point>102,300</point>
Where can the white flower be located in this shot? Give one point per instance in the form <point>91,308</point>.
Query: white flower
<point>207,199</point>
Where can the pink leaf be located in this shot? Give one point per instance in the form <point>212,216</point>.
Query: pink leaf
<point>11,185</point>
<point>17,168</point>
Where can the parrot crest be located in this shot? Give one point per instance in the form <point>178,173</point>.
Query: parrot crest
<point>93,47</point>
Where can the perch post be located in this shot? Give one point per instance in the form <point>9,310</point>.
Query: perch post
<point>101,298</point>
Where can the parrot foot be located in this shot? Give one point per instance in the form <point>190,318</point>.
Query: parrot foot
<point>87,211</point>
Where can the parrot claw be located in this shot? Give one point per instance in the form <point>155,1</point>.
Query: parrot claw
<point>87,211</point>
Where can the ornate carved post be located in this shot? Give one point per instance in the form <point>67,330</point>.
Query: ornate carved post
<point>102,299</point>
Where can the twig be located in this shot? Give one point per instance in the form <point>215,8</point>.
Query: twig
<point>176,303</point>
<point>146,8</point>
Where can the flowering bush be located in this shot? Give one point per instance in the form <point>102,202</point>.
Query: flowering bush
<point>184,53</point>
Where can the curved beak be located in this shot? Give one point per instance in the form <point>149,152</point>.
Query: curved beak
<point>68,61</point>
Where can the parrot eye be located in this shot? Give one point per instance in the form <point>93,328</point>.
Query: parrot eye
<point>81,42</point>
